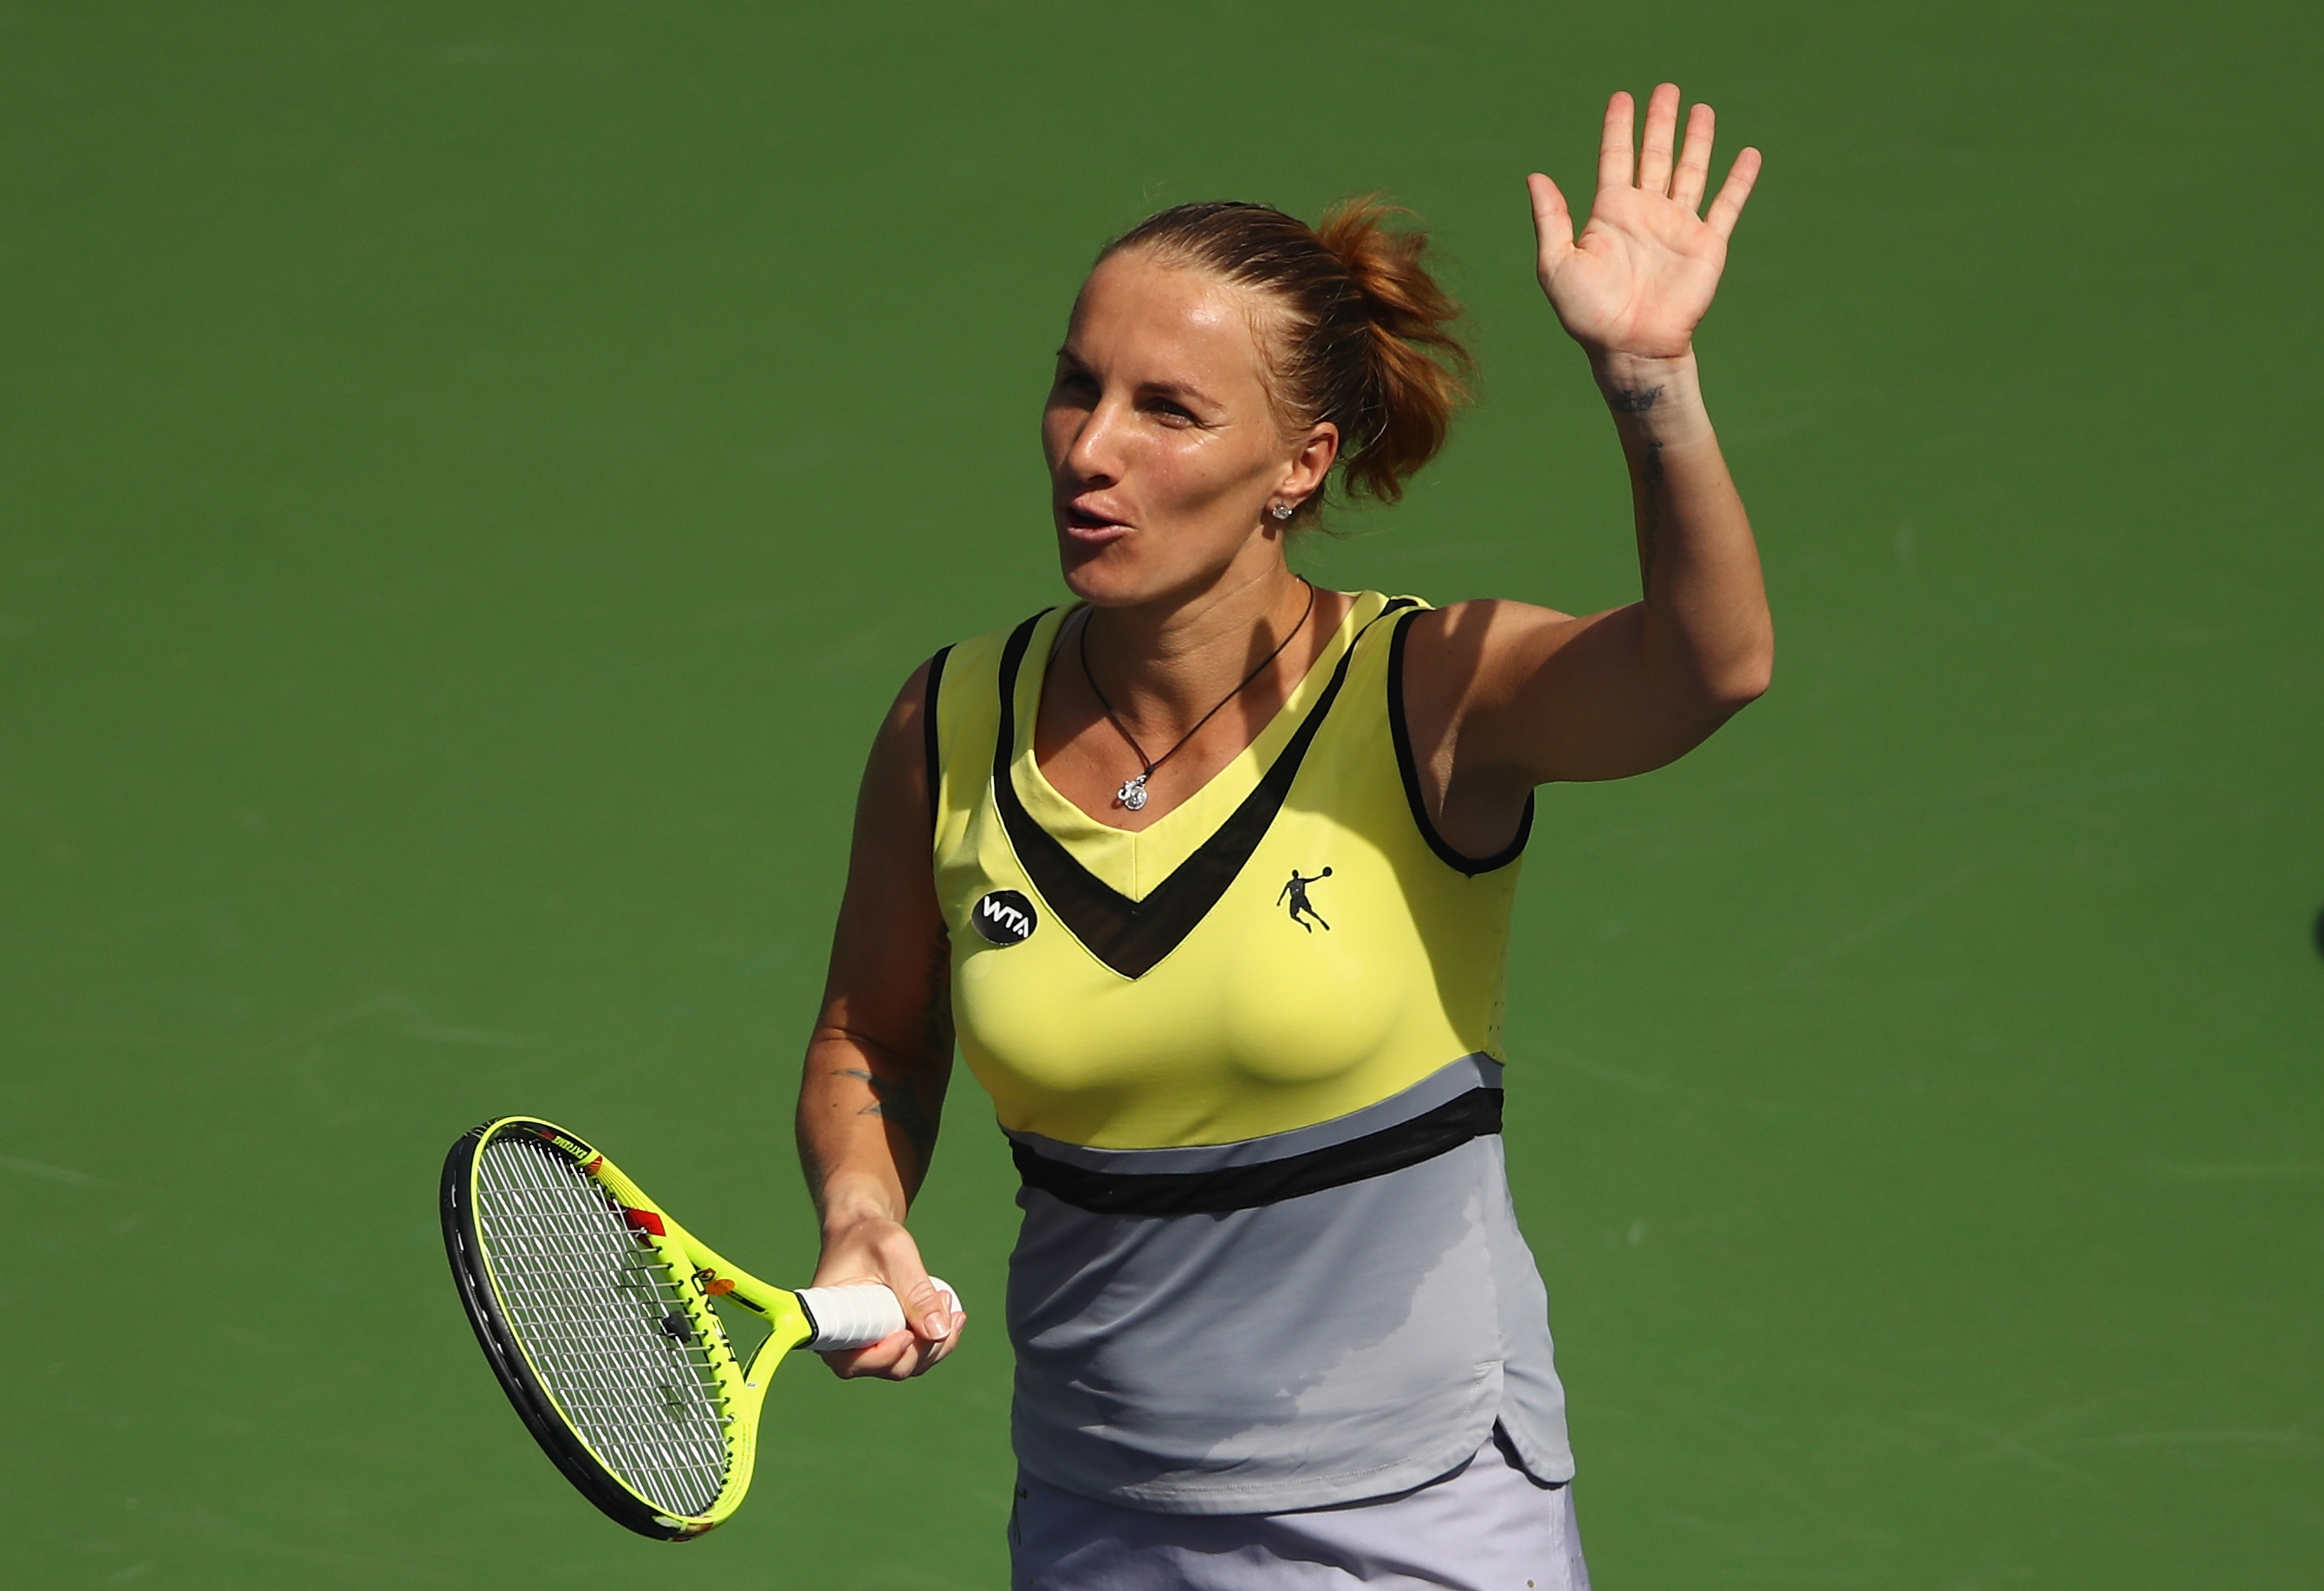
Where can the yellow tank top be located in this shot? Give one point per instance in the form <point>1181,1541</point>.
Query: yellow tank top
<point>1291,944</point>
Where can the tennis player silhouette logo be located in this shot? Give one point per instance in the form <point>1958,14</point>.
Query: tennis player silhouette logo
<point>1302,908</point>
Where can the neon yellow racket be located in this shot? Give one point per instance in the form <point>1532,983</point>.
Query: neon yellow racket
<point>596,1311</point>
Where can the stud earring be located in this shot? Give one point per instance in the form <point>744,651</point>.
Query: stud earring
<point>1281,511</point>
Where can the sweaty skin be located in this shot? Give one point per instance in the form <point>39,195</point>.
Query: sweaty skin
<point>1166,454</point>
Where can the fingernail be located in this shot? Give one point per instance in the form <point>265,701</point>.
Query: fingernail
<point>938,1327</point>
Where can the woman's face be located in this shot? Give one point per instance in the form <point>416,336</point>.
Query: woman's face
<point>1165,449</point>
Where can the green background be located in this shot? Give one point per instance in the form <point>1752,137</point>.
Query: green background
<point>472,475</point>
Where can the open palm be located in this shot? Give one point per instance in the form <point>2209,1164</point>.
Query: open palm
<point>1642,274</point>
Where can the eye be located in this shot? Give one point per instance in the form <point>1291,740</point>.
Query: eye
<point>1171,412</point>
<point>1075,383</point>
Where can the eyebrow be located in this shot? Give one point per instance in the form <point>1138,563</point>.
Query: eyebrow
<point>1169,389</point>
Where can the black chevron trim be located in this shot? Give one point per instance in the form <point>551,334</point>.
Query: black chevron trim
<point>1474,1115</point>
<point>1133,937</point>
<point>934,752</point>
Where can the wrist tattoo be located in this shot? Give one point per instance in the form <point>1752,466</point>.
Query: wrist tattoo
<point>1634,399</point>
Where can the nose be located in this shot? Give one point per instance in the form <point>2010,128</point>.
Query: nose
<point>1094,457</point>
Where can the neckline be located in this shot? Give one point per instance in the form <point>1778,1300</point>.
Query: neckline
<point>1132,930</point>
<point>1184,825</point>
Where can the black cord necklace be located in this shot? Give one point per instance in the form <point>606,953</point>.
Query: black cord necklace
<point>1132,793</point>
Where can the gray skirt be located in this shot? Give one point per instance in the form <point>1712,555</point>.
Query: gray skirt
<point>1487,1526</point>
<point>1288,1322</point>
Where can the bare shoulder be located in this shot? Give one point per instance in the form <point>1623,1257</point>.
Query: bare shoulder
<point>1493,613</point>
<point>895,776</point>
<point>912,699</point>
<point>1482,648</point>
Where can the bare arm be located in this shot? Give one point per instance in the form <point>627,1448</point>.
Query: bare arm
<point>1504,696</point>
<point>872,1091</point>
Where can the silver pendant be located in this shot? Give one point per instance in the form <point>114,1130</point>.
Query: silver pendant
<point>1132,793</point>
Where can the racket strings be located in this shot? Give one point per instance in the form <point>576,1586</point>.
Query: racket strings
<point>604,1325</point>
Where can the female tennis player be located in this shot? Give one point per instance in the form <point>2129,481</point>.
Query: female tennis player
<point>1211,869</point>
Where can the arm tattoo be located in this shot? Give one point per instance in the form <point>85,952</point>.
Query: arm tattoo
<point>1637,401</point>
<point>1651,479</point>
<point>811,1163</point>
<point>892,1099</point>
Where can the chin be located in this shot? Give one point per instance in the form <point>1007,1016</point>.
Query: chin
<point>1110,576</point>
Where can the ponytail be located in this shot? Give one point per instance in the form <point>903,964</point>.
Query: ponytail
<point>1414,370</point>
<point>1362,340</point>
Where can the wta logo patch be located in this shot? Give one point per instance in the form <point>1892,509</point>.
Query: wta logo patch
<point>1004,917</point>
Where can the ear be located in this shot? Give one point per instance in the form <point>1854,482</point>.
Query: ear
<point>1311,463</point>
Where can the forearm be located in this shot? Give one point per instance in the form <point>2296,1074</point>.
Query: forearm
<point>1705,633</point>
<point>868,1115</point>
<point>867,1124</point>
<point>872,1089</point>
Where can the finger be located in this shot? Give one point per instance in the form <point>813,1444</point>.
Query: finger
<point>1552,223</point>
<point>927,1307</point>
<point>930,1357</point>
<point>1728,206</point>
<point>941,1320</point>
<point>1661,135</point>
<point>891,1358</point>
<point>1614,161</point>
<point>1694,174</point>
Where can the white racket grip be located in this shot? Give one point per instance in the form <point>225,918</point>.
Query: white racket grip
<point>858,1316</point>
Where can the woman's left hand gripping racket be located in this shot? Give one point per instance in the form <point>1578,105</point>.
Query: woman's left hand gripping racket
<point>595,1309</point>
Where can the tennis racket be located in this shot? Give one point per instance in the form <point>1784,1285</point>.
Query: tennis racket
<point>596,1311</point>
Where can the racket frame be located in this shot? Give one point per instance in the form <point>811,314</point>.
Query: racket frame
<point>698,1273</point>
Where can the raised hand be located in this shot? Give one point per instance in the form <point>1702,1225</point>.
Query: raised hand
<point>1642,275</point>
